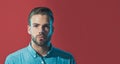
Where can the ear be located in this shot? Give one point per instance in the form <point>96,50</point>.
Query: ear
<point>29,29</point>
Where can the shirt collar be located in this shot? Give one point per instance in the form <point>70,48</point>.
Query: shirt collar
<point>35,54</point>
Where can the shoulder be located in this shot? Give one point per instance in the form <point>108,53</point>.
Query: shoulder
<point>15,55</point>
<point>62,53</point>
<point>64,56</point>
<point>18,52</point>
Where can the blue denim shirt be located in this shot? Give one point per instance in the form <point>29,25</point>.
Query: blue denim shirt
<point>28,55</point>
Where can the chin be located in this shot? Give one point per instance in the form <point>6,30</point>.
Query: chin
<point>41,43</point>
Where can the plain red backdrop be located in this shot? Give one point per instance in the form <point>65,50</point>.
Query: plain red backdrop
<point>89,29</point>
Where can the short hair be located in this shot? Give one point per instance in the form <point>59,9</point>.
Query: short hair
<point>42,11</point>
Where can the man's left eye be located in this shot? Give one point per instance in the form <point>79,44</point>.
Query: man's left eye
<point>46,26</point>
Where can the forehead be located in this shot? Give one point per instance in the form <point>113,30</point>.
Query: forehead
<point>40,19</point>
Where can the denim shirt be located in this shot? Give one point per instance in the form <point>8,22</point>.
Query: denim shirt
<point>28,55</point>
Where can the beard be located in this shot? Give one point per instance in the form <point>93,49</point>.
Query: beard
<point>44,42</point>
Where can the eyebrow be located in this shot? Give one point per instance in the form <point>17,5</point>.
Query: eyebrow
<point>35,24</point>
<point>39,24</point>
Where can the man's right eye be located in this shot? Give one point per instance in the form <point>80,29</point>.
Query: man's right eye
<point>35,25</point>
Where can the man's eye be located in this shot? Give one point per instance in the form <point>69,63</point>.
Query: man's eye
<point>46,26</point>
<point>35,25</point>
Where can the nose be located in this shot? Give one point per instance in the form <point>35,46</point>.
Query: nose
<point>41,30</point>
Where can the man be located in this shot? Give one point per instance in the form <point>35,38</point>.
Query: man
<point>40,49</point>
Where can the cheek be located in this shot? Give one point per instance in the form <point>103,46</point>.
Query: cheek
<point>34,32</point>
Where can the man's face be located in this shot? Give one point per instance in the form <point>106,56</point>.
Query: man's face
<point>40,29</point>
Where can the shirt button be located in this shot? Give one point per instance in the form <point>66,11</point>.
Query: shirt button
<point>42,62</point>
<point>34,56</point>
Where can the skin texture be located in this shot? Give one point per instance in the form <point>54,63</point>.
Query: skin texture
<point>41,31</point>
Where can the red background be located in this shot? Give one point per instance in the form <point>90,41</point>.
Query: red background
<point>89,29</point>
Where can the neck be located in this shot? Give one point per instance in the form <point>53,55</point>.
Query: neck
<point>41,50</point>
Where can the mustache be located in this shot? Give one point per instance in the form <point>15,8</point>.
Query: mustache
<point>42,35</point>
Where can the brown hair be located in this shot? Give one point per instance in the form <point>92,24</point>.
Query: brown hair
<point>42,11</point>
